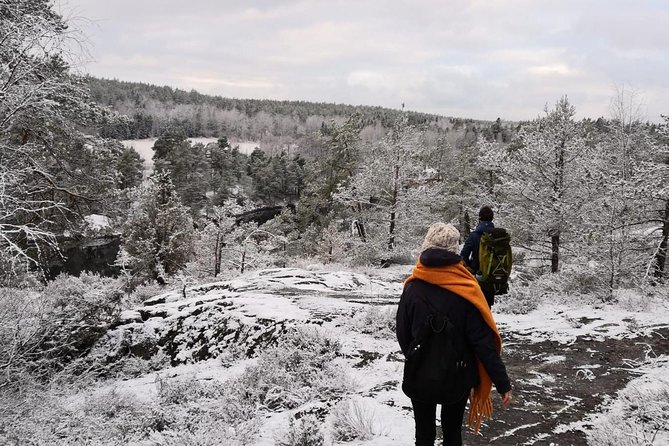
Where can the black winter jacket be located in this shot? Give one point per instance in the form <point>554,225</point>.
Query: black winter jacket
<point>480,338</point>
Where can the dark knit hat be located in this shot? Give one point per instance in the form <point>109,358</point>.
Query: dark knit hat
<point>486,214</point>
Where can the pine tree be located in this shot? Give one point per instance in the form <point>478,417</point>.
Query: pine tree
<point>158,234</point>
<point>186,165</point>
<point>51,173</point>
<point>658,180</point>
<point>624,195</point>
<point>130,169</point>
<point>542,175</point>
<point>333,167</point>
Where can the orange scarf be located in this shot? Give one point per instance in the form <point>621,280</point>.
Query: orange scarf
<point>457,279</point>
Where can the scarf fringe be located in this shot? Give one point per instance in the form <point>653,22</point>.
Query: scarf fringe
<point>479,411</point>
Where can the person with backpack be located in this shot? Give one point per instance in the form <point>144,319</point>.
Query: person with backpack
<point>449,338</point>
<point>470,250</point>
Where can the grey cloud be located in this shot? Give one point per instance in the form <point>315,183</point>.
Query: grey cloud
<point>473,58</point>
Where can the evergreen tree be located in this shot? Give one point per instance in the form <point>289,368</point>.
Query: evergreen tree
<point>391,197</point>
<point>333,167</point>
<point>51,173</point>
<point>158,233</point>
<point>542,176</point>
<point>130,169</point>
<point>186,165</point>
<point>222,179</point>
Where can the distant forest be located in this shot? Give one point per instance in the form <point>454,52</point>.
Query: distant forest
<point>150,110</point>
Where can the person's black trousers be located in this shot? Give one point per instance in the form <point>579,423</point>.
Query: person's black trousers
<point>424,415</point>
<point>489,292</point>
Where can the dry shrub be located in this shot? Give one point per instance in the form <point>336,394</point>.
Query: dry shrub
<point>353,421</point>
<point>301,367</point>
<point>377,321</point>
<point>302,432</point>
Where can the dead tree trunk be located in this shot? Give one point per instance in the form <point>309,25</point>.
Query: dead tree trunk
<point>661,255</point>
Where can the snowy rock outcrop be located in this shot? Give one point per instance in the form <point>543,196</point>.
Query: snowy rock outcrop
<point>244,314</point>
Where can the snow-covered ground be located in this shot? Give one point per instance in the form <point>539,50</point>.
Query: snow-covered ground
<point>555,354</point>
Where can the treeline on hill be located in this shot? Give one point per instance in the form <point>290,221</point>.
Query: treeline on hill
<point>150,110</point>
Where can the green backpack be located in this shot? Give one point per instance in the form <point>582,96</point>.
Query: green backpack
<point>495,259</point>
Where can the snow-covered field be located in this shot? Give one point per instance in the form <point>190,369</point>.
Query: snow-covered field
<point>357,310</point>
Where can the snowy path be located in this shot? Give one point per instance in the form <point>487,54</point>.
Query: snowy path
<point>558,385</point>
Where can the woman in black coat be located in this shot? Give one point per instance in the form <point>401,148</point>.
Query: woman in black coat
<point>441,282</point>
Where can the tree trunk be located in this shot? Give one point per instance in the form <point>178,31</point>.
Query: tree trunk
<point>661,255</point>
<point>555,251</point>
<point>391,229</point>
<point>391,232</point>
<point>217,255</point>
<point>241,268</point>
<point>360,225</point>
<point>360,229</point>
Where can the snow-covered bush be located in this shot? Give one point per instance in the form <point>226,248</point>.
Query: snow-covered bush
<point>519,300</point>
<point>16,273</point>
<point>301,367</point>
<point>42,332</point>
<point>180,392</point>
<point>147,290</point>
<point>133,366</point>
<point>302,432</point>
<point>79,310</point>
<point>106,418</point>
<point>377,321</point>
<point>205,431</point>
<point>193,400</point>
<point>114,417</point>
<point>232,354</point>
<point>575,284</point>
<point>353,421</point>
<point>20,325</point>
<point>639,415</point>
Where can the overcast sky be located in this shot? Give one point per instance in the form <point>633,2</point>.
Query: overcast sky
<point>477,59</point>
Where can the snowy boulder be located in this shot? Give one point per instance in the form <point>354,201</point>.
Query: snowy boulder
<point>129,316</point>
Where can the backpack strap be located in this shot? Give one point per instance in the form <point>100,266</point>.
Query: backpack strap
<point>430,326</point>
